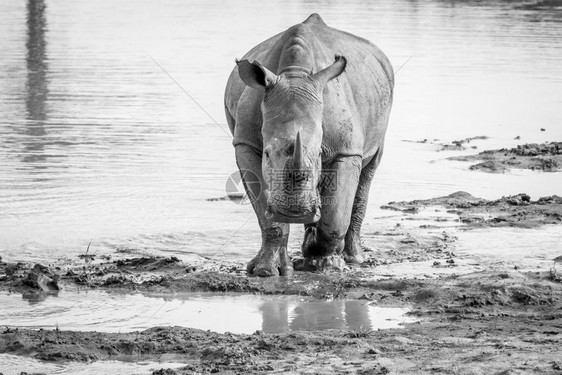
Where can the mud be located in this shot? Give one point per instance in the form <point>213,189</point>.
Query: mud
<point>461,144</point>
<point>490,319</point>
<point>545,157</point>
<point>488,322</point>
<point>456,145</point>
<point>511,211</point>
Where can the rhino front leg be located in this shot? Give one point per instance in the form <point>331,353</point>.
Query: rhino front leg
<point>327,238</point>
<point>272,259</point>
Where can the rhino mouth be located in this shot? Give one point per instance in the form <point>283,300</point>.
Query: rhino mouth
<point>293,215</point>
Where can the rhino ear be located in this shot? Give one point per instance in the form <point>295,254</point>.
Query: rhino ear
<point>255,75</point>
<point>332,71</point>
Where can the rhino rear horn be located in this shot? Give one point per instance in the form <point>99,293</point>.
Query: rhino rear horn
<point>332,71</point>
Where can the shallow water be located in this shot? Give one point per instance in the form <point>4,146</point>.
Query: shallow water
<point>111,312</point>
<point>97,143</point>
<point>15,365</point>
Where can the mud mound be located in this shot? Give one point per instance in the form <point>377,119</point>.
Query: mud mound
<point>148,263</point>
<point>545,157</point>
<point>514,211</point>
<point>456,145</point>
<point>461,144</point>
<point>459,199</point>
<point>22,277</point>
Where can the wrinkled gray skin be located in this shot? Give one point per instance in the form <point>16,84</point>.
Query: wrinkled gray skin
<point>308,109</point>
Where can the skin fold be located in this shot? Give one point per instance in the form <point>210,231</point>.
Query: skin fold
<point>308,109</point>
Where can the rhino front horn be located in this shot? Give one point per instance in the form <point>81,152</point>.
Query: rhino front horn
<point>297,153</point>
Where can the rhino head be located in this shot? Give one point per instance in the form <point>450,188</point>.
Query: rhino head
<point>292,110</point>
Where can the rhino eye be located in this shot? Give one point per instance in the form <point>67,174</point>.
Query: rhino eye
<point>266,153</point>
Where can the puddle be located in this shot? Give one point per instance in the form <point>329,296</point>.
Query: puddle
<point>119,312</point>
<point>13,364</point>
<point>532,249</point>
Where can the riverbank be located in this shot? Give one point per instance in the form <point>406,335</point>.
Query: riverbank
<point>474,313</point>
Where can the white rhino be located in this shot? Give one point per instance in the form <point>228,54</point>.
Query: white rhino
<point>308,109</point>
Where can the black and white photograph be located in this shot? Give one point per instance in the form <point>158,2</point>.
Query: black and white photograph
<point>280,187</point>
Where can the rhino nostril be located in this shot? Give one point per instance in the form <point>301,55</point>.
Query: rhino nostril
<point>290,150</point>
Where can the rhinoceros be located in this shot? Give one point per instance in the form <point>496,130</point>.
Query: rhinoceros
<point>308,109</point>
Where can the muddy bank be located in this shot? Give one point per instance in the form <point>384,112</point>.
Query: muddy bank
<point>545,157</point>
<point>499,320</point>
<point>490,322</point>
<point>513,211</point>
<point>171,275</point>
<point>396,244</point>
<point>213,276</point>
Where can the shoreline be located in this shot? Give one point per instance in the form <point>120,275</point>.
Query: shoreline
<point>493,318</point>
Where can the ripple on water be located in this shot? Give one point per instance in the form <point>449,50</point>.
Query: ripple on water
<point>112,312</point>
<point>15,365</point>
<point>97,143</point>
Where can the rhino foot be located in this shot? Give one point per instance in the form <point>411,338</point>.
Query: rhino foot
<point>353,251</point>
<point>322,252</point>
<point>323,263</point>
<point>354,259</point>
<point>271,262</point>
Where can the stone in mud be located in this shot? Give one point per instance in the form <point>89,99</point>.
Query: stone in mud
<point>41,278</point>
<point>41,282</point>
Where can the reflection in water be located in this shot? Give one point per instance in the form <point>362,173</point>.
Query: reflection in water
<point>357,316</point>
<point>111,312</point>
<point>33,298</point>
<point>315,315</point>
<point>37,84</point>
<point>275,316</point>
<point>283,316</point>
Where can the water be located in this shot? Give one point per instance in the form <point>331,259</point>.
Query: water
<point>15,365</point>
<point>97,143</point>
<point>111,312</point>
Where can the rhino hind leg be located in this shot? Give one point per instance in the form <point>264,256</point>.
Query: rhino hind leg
<point>353,252</point>
<point>272,258</point>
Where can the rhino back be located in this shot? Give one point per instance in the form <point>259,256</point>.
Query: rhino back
<point>356,104</point>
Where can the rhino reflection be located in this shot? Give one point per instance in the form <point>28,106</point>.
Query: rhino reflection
<point>284,316</point>
<point>34,298</point>
<point>275,316</point>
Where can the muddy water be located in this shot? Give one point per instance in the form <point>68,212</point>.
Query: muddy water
<point>112,312</point>
<point>97,143</point>
<point>12,365</point>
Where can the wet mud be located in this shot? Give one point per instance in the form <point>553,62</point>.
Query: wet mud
<point>511,211</point>
<point>545,157</point>
<point>491,320</point>
<point>456,145</point>
<point>488,322</point>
